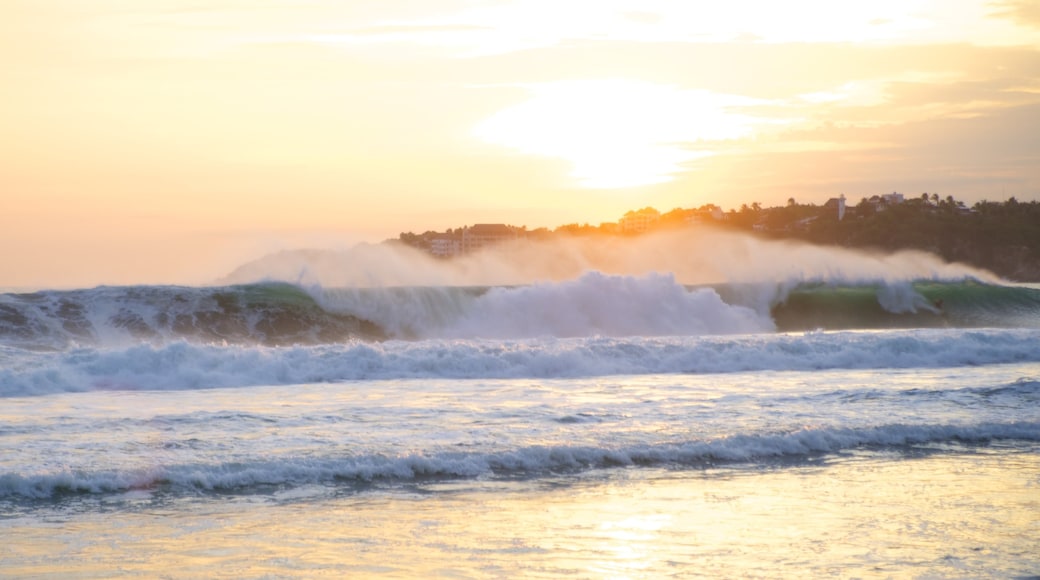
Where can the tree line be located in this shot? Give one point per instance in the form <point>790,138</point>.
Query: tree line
<point>1003,237</point>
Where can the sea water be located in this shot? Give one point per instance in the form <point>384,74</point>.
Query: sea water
<point>731,451</point>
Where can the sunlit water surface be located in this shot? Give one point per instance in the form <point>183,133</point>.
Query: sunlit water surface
<point>941,515</point>
<point>766,474</point>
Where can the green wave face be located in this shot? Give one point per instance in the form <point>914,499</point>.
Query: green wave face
<point>283,314</point>
<point>269,314</point>
<point>966,304</point>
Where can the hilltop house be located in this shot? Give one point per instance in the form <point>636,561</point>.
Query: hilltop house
<point>639,221</point>
<point>482,235</point>
<point>836,204</point>
<point>445,246</point>
<point>878,203</point>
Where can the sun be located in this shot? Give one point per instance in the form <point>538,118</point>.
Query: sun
<point>618,133</point>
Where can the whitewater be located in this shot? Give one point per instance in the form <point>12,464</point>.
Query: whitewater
<point>621,410</point>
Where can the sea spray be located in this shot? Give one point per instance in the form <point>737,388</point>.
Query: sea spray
<point>695,256</point>
<point>593,305</point>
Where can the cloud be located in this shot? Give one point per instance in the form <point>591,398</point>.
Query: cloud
<point>762,71</point>
<point>644,17</point>
<point>1023,12</point>
<point>847,117</point>
<point>391,29</point>
<point>990,156</point>
<point>617,133</point>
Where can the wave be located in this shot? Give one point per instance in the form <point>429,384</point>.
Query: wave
<point>923,304</point>
<point>523,462</point>
<point>270,314</point>
<point>187,366</point>
<point>595,304</point>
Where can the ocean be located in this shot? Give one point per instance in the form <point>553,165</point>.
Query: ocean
<point>603,426</point>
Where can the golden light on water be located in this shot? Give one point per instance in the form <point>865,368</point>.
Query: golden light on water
<point>857,518</point>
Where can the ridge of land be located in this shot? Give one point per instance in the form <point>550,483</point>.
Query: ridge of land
<point>1002,237</point>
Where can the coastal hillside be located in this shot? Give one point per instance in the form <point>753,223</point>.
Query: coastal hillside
<point>1001,237</point>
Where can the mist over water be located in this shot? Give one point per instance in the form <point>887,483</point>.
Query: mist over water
<point>693,256</point>
<point>663,283</point>
<point>679,283</point>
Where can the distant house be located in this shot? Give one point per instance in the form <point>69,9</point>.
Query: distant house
<point>445,246</point>
<point>708,212</point>
<point>483,235</point>
<point>880,202</point>
<point>893,198</point>
<point>639,221</point>
<point>836,205</point>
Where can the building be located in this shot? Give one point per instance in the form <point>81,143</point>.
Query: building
<point>836,204</point>
<point>445,246</point>
<point>880,202</point>
<point>706,213</point>
<point>893,198</point>
<point>637,222</point>
<point>482,235</point>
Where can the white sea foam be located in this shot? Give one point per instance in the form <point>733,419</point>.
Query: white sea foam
<point>182,365</point>
<point>594,304</point>
<point>527,461</point>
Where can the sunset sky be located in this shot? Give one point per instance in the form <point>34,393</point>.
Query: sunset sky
<point>169,140</point>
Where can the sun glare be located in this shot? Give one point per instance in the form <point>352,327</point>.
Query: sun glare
<point>618,133</point>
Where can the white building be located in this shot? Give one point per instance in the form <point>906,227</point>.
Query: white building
<point>639,221</point>
<point>482,235</point>
<point>893,198</point>
<point>836,204</point>
<point>445,246</point>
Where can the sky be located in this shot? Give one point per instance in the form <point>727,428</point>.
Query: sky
<point>168,141</point>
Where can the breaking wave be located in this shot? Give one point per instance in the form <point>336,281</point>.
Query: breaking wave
<point>187,366</point>
<point>595,304</point>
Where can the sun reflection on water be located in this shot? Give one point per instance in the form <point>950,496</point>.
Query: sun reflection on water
<point>866,515</point>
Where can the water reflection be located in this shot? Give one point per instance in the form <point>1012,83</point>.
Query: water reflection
<point>942,514</point>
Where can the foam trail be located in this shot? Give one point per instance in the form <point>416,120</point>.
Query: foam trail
<point>527,461</point>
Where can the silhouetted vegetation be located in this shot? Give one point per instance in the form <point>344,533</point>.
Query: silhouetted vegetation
<point>1003,237</point>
